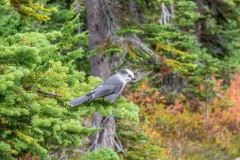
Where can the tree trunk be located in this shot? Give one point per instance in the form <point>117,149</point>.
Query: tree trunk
<point>99,67</point>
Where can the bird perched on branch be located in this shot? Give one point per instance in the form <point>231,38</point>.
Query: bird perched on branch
<point>110,89</point>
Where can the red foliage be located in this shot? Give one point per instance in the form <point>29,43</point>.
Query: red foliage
<point>28,156</point>
<point>178,124</point>
<point>233,94</point>
<point>165,69</point>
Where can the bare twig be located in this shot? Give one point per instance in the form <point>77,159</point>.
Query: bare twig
<point>110,23</point>
<point>49,93</point>
<point>139,74</point>
<point>118,145</point>
<point>156,76</point>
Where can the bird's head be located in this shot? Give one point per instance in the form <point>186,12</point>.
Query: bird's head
<point>127,75</point>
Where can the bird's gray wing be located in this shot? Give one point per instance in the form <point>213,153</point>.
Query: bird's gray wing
<point>105,90</point>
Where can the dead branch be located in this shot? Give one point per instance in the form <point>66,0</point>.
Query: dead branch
<point>49,93</point>
<point>139,74</point>
<point>166,15</point>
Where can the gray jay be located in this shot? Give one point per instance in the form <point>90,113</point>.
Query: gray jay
<point>109,89</point>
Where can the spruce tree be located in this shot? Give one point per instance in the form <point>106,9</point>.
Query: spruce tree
<point>36,83</point>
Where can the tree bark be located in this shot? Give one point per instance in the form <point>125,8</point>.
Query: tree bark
<point>99,67</point>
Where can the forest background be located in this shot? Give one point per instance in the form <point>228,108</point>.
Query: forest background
<point>184,53</point>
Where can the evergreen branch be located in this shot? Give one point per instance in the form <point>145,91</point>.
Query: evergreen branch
<point>134,40</point>
<point>30,9</point>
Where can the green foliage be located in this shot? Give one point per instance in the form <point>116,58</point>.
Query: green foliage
<point>185,16</point>
<point>27,8</point>
<point>11,21</point>
<point>123,109</point>
<point>204,151</point>
<point>34,88</point>
<point>101,154</point>
<point>129,30</point>
<point>70,38</point>
<point>24,15</point>
<point>139,145</point>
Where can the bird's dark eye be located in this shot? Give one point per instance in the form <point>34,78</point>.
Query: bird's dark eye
<point>129,75</point>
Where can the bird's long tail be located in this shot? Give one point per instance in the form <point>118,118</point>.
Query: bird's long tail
<point>77,101</point>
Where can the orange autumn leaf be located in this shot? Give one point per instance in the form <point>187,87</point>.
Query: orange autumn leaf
<point>148,100</point>
<point>155,94</point>
<point>144,86</point>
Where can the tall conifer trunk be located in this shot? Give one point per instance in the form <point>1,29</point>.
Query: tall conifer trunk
<point>99,67</point>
